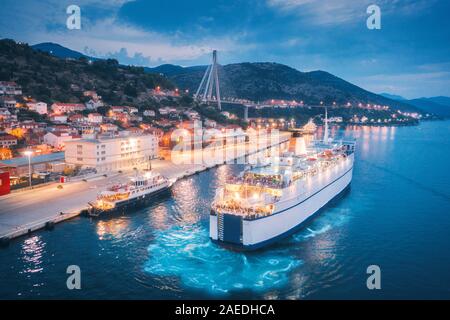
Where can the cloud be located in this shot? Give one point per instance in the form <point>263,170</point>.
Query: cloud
<point>335,12</point>
<point>410,84</point>
<point>107,36</point>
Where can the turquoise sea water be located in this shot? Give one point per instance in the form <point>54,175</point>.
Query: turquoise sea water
<point>396,215</point>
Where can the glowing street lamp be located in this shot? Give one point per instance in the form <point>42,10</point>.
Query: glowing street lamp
<point>28,153</point>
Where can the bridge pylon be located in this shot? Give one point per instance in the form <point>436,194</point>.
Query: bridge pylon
<point>210,81</point>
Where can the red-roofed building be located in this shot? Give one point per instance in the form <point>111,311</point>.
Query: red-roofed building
<point>77,118</point>
<point>152,130</point>
<point>108,128</point>
<point>118,108</point>
<point>67,107</point>
<point>7,140</point>
<point>95,118</point>
<point>57,139</point>
<point>58,118</point>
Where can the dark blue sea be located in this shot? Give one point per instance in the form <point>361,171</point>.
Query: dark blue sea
<point>396,215</point>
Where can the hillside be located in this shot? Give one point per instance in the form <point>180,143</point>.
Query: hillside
<point>59,51</point>
<point>393,96</point>
<point>261,81</point>
<point>49,78</point>
<point>439,106</point>
<point>436,105</point>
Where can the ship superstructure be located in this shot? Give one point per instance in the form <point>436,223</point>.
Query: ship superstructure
<point>137,191</point>
<point>267,202</point>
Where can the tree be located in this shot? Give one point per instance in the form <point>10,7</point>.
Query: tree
<point>5,153</point>
<point>17,132</point>
<point>186,100</point>
<point>130,90</point>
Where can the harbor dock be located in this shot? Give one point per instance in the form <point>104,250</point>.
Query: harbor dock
<point>24,212</point>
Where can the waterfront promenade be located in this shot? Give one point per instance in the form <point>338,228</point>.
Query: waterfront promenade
<point>26,211</point>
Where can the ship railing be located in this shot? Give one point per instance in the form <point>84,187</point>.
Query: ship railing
<point>247,213</point>
<point>267,183</point>
<point>263,209</point>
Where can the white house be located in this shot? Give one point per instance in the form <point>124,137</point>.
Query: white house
<point>8,102</point>
<point>210,123</point>
<point>4,113</point>
<point>191,114</point>
<point>335,119</point>
<point>167,110</point>
<point>10,87</point>
<point>112,153</point>
<point>108,128</point>
<point>59,118</point>
<point>58,139</point>
<point>95,118</point>
<point>117,109</point>
<point>132,110</point>
<point>226,114</point>
<point>67,107</point>
<point>93,104</point>
<point>39,107</point>
<point>149,113</point>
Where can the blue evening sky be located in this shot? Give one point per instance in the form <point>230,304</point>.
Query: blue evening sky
<point>409,56</point>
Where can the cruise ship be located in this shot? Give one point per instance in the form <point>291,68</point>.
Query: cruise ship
<point>276,197</point>
<point>122,197</point>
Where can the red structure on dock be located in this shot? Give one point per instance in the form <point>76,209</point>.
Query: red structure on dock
<point>4,183</point>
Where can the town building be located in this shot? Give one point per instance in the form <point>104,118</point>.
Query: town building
<point>191,114</point>
<point>108,128</point>
<point>7,140</point>
<point>8,102</point>
<point>335,119</point>
<point>58,139</point>
<point>62,108</point>
<point>167,110</point>
<point>39,107</point>
<point>112,153</point>
<point>149,113</point>
<point>93,104</point>
<point>18,167</point>
<point>4,114</point>
<point>118,108</point>
<point>92,94</point>
<point>132,110</point>
<point>77,118</point>
<point>58,118</point>
<point>31,125</point>
<point>95,118</point>
<point>10,88</point>
<point>210,123</point>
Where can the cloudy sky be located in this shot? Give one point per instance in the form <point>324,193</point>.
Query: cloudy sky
<point>409,56</point>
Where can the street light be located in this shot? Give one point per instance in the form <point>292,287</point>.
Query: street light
<point>28,153</point>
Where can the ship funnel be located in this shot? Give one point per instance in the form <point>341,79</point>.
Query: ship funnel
<point>300,146</point>
<point>325,135</point>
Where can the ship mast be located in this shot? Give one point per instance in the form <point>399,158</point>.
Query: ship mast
<point>325,135</point>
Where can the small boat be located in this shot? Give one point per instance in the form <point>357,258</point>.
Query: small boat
<point>121,198</point>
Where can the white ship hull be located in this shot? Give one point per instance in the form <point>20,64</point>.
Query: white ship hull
<point>302,200</point>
